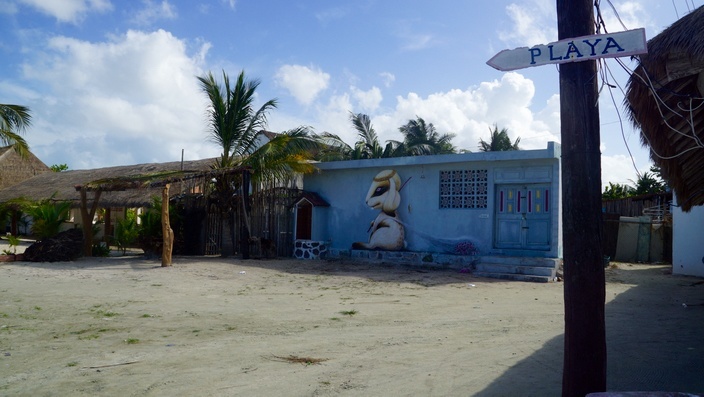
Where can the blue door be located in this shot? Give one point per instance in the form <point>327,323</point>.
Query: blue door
<point>523,218</point>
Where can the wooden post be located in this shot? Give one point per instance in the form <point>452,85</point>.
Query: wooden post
<point>168,242</point>
<point>246,208</point>
<point>584,368</point>
<point>108,225</point>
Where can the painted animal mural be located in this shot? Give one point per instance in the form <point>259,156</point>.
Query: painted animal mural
<point>386,231</point>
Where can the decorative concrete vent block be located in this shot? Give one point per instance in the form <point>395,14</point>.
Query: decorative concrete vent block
<point>309,249</point>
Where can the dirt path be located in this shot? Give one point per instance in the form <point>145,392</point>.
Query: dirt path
<point>210,326</point>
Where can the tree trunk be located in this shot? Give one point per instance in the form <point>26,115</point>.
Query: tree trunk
<point>168,233</point>
<point>584,368</point>
<point>87,220</point>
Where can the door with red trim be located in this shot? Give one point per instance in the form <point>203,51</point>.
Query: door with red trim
<point>523,217</point>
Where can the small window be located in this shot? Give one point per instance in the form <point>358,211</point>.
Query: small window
<point>464,189</point>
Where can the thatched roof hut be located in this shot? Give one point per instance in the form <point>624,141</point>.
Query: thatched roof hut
<point>665,99</point>
<point>15,169</point>
<point>63,184</point>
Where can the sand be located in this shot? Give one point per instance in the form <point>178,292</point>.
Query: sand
<point>124,326</point>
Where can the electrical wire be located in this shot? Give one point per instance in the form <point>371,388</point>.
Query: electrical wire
<point>605,71</point>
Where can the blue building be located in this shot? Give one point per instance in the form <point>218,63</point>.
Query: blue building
<point>459,209</point>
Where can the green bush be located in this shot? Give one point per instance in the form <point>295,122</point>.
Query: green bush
<point>47,217</point>
<point>127,231</point>
<point>100,250</point>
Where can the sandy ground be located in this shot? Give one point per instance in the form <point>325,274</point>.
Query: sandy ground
<point>124,326</point>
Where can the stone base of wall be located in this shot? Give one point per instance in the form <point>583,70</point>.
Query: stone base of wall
<point>433,259</point>
<point>309,249</point>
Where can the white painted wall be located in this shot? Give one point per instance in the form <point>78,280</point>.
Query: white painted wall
<point>688,241</point>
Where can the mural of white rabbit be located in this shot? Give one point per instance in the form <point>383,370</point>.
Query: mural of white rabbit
<point>387,232</point>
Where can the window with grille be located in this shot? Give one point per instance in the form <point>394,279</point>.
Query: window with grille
<point>463,189</point>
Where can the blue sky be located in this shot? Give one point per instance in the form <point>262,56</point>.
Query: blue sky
<point>114,82</point>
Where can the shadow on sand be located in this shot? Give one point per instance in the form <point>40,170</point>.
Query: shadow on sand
<point>653,334</point>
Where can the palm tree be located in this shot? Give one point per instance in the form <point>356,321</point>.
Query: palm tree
<point>421,138</point>
<point>648,183</point>
<point>500,141</point>
<point>368,146</point>
<point>616,191</point>
<point>235,125</point>
<point>14,120</point>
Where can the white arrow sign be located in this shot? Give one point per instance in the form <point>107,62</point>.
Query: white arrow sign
<point>613,45</point>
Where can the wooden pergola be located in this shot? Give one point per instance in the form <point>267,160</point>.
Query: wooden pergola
<point>151,181</point>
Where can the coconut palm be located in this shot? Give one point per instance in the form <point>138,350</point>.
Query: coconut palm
<point>648,183</point>
<point>616,191</point>
<point>14,120</point>
<point>368,146</point>
<point>499,141</point>
<point>421,138</point>
<point>236,125</point>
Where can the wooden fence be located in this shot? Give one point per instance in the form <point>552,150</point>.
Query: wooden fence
<point>657,206</point>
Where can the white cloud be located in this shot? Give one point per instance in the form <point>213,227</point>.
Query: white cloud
<point>302,82</point>
<point>618,169</point>
<point>533,22</point>
<point>72,11</point>
<point>135,95</point>
<point>367,101</point>
<point>467,113</point>
<point>388,78</point>
<point>332,14</point>
<point>471,113</point>
<point>154,11</point>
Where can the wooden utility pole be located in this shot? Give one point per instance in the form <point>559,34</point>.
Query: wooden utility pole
<point>584,368</point>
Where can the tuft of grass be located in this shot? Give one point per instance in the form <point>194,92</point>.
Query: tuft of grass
<point>349,312</point>
<point>300,360</point>
<point>72,364</point>
<point>132,341</point>
<point>106,313</point>
<point>37,308</point>
<point>335,318</point>
<point>145,315</point>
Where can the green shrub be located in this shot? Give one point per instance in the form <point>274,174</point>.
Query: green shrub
<point>47,217</point>
<point>100,250</point>
<point>127,231</point>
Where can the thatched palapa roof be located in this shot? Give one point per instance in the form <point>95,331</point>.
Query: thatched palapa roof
<point>665,99</point>
<point>15,169</point>
<point>64,183</point>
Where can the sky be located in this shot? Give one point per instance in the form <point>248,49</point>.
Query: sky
<point>114,82</point>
